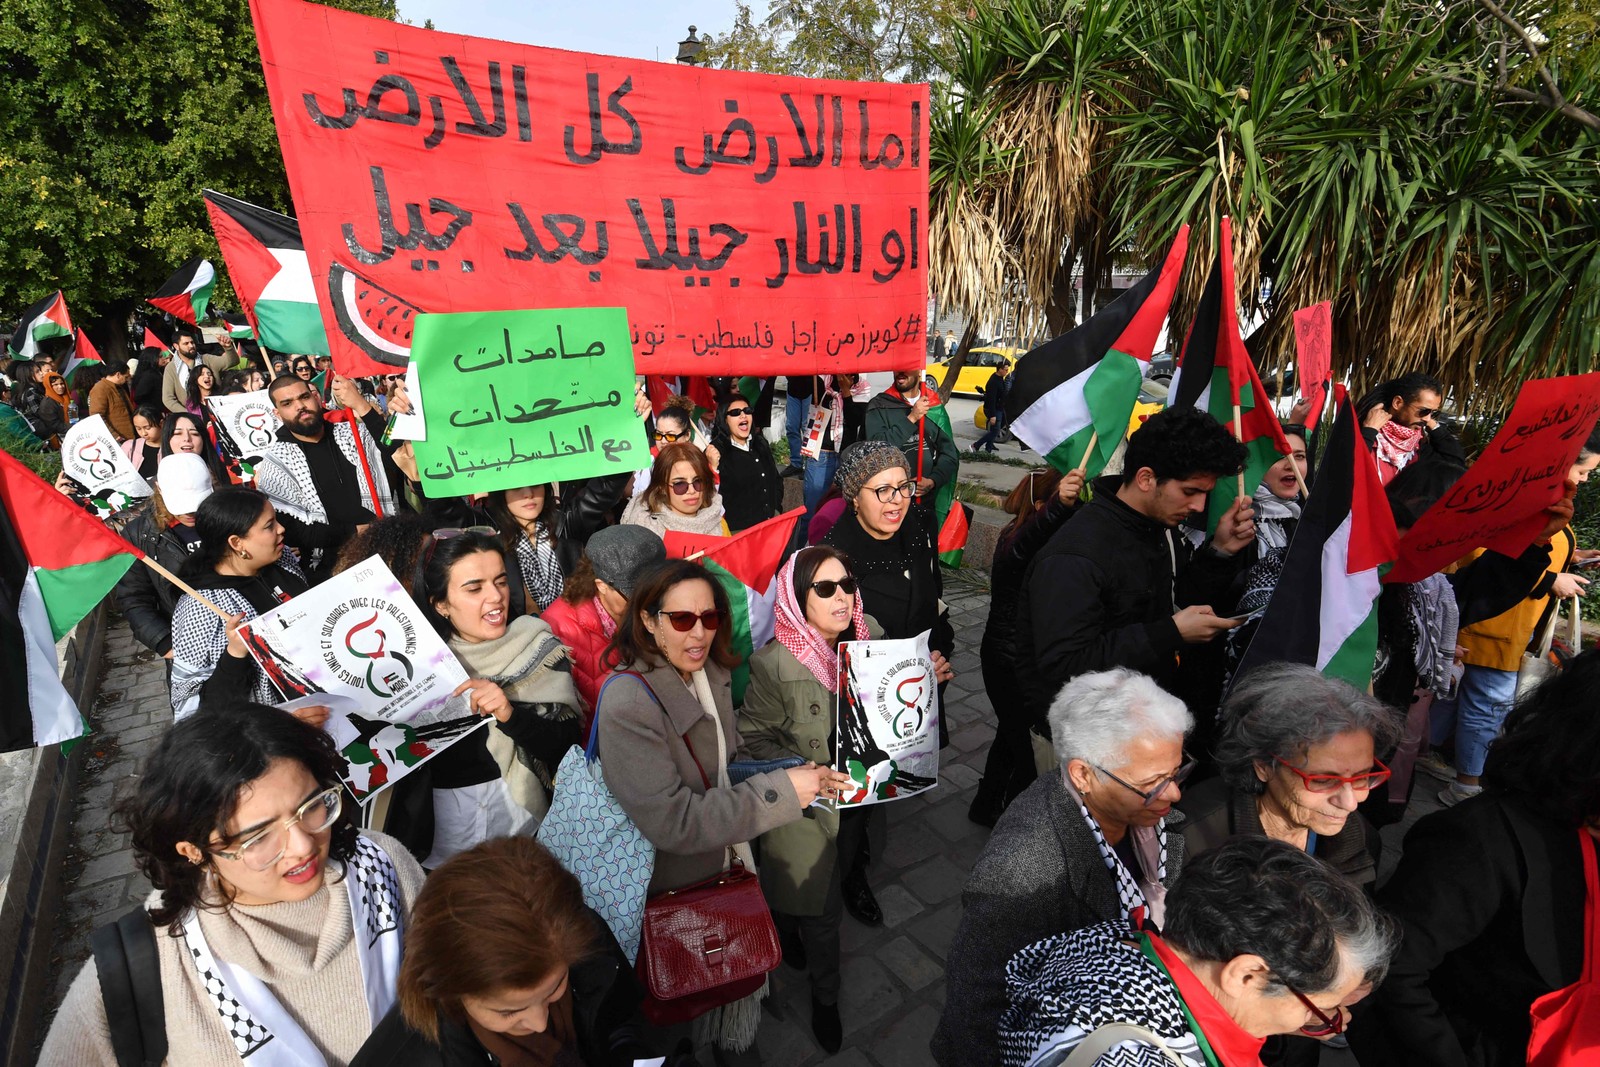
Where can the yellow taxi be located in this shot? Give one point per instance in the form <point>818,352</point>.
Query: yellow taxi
<point>981,363</point>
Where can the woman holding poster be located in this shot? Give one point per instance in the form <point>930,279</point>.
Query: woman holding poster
<point>494,782</point>
<point>788,711</point>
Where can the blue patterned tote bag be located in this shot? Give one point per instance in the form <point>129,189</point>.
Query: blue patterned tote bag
<point>589,833</point>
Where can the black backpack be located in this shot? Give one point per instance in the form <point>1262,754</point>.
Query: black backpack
<point>130,986</point>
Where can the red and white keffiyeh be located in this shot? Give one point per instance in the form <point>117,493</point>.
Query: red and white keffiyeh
<point>801,638</point>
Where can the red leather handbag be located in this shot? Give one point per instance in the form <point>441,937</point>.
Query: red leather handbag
<point>704,946</point>
<point>1566,1023</point>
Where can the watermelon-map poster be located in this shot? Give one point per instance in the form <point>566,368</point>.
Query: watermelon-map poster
<point>750,223</point>
<point>516,398</point>
<point>888,719</point>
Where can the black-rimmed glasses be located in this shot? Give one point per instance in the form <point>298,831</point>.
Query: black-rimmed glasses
<point>886,493</point>
<point>828,586</point>
<point>1150,796</point>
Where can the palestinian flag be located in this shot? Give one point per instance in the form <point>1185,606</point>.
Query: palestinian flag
<point>41,322</point>
<point>82,352</point>
<point>1085,383</point>
<point>56,564</point>
<point>152,341</point>
<point>1324,610</point>
<point>744,565</point>
<point>1216,375</point>
<point>239,327</point>
<point>944,501</point>
<point>187,294</point>
<point>266,261</point>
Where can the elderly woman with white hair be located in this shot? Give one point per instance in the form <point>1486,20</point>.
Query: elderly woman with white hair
<point>1086,845</point>
<point>1298,753</point>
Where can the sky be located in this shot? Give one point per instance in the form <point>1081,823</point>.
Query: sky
<point>639,29</point>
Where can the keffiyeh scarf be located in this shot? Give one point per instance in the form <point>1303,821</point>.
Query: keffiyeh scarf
<point>802,639</point>
<point>1271,515</point>
<point>1397,444</point>
<point>1144,896</point>
<point>540,567</point>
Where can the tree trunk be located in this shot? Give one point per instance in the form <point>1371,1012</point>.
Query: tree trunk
<point>957,361</point>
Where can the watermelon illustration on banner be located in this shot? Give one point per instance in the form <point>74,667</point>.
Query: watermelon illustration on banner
<point>56,564</point>
<point>744,565</point>
<point>888,719</point>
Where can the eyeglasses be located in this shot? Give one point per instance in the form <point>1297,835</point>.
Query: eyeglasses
<point>738,413</point>
<point>886,493</point>
<point>1149,797</point>
<point>671,437</point>
<point>683,621</point>
<point>682,487</point>
<point>267,846</point>
<point>1324,1025</point>
<point>828,586</point>
<point>1332,783</point>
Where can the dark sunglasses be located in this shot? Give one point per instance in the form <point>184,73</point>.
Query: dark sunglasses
<point>738,413</point>
<point>681,488</point>
<point>1427,412</point>
<point>671,437</point>
<point>683,621</point>
<point>828,586</point>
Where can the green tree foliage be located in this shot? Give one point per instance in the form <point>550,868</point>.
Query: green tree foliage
<point>859,40</point>
<point>114,114</point>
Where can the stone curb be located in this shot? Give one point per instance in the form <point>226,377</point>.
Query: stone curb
<point>36,789</point>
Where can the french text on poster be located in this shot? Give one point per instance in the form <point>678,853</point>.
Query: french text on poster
<point>246,424</point>
<point>750,223</point>
<point>1499,503</point>
<point>360,639</point>
<point>91,456</point>
<point>888,720</point>
<point>520,398</point>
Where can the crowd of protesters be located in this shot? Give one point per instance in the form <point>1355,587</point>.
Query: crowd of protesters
<point>1183,864</point>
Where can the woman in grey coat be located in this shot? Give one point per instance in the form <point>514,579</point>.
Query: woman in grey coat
<point>1089,843</point>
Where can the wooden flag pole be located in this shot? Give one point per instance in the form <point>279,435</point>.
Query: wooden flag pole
<point>186,587</point>
<point>1238,435</point>
<point>1094,439</point>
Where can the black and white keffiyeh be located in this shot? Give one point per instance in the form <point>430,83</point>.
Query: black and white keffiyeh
<point>262,1031</point>
<point>1130,891</point>
<point>540,567</point>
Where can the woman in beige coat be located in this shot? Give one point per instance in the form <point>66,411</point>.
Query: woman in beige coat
<point>789,711</point>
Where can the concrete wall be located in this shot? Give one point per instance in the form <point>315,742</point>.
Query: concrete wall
<point>36,789</point>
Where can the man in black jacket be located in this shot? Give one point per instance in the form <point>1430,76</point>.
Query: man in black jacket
<point>1119,586</point>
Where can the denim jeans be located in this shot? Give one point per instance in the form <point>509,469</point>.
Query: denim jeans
<point>818,476</point>
<point>997,426</point>
<point>1481,710</point>
<point>795,413</point>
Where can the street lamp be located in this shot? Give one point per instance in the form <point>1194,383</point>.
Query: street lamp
<point>690,47</point>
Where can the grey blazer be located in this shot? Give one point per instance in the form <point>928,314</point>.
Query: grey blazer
<point>1041,874</point>
<point>649,754</point>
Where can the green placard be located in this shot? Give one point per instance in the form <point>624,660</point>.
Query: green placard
<point>515,398</point>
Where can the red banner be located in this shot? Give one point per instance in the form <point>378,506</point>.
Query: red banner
<point>750,223</point>
<point>1313,345</point>
<point>1499,503</point>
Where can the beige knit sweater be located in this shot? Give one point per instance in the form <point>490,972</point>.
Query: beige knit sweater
<point>304,951</point>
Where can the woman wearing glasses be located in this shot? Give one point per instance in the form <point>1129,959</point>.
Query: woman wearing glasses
<point>273,925</point>
<point>1260,939</point>
<point>1298,752</point>
<point>494,782</point>
<point>682,495</point>
<point>1089,843</point>
<point>788,711</point>
<point>751,488</point>
<point>666,737</point>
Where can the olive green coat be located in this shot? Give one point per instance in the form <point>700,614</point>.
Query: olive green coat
<point>788,712</point>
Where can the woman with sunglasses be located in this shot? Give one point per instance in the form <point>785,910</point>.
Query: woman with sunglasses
<point>494,782</point>
<point>666,735</point>
<point>1260,939</point>
<point>673,426</point>
<point>1092,842</point>
<point>682,495</point>
<point>788,711</point>
<point>742,459</point>
<point>274,925</point>
<point>301,368</point>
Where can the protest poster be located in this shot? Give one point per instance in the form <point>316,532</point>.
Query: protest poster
<point>1499,503</point>
<point>888,720</point>
<point>92,457</point>
<point>750,223</point>
<point>520,398</point>
<point>1313,346</point>
<point>245,423</point>
<point>411,426</point>
<point>359,645</point>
